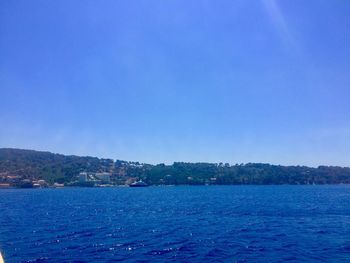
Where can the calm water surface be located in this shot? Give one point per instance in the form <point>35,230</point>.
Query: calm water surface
<point>177,224</point>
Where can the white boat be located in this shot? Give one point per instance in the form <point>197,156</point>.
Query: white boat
<point>138,184</point>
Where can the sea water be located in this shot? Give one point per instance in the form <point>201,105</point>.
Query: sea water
<point>176,224</point>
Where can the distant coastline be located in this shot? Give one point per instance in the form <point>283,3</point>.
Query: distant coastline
<point>36,169</point>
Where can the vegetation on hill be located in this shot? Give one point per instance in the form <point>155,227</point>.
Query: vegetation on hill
<point>34,165</point>
<point>18,165</point>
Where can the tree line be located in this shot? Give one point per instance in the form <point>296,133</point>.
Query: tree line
<point>17,164</point>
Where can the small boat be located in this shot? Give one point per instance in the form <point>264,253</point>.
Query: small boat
<point>1,258</point>
<point>138,184</point>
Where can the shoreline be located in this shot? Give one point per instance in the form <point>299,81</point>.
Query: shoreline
<point>153,186</point>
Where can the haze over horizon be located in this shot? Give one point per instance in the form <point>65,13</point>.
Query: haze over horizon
<point>211,81</point>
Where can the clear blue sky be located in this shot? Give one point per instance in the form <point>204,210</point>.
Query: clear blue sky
<point>163,81</point>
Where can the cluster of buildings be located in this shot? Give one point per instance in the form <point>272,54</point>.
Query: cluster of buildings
<point>7,181</point>
<point>97,178</point>
<point>24,183</point>
<point>84,179</point>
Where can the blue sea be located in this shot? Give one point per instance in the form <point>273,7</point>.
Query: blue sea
<point>176,224</point>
